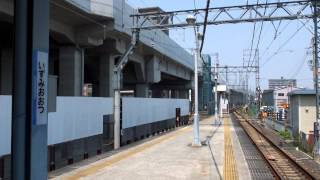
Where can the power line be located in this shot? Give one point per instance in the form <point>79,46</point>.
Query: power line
<point>300,66</point>
<point>276,36</point>
<point>258,43</point>
<point>253,37</point>
<point>205,25</point>
<point>286,42</point>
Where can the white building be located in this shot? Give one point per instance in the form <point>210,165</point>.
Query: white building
<point>277,98</point>
<point>302,111</point>
<point>281,97</point>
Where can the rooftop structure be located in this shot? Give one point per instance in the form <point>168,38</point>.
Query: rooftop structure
<point>282,83</point>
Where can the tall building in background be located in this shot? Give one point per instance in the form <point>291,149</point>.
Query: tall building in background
<point>282,83</point>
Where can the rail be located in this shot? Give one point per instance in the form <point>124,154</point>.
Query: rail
<point>282,165</point>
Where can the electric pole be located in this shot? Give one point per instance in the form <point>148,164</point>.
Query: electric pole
<point>216,76</point>
<point>196,141</point>
<point>316,79</point>
<point>258,88</point>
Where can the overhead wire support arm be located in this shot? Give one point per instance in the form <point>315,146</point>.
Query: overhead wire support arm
<point>234,14</point>
<point>124,57</point>
<point>117,84</point>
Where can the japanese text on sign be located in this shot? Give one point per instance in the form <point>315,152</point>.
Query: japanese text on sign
<point>40,78</point>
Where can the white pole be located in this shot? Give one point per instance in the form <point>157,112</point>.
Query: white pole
<point>216,95</point>
<point>196,141</point>
<point>220,108</point>
<point>117,111</point>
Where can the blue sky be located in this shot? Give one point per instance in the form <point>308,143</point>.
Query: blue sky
<point>231,40</point>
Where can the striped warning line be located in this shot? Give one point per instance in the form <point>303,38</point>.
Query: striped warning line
<point>230,167</point>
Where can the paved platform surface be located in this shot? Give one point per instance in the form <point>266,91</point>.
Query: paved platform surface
<point>170,156</point>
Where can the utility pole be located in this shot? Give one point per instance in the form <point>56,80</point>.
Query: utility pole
<point>247,68</point>
<point>216,74</point>
<point>316,79</point>
<point>247,88</point>
<point>196,141</point>
<point>258,88</point>
<point>117,71</point>
<point>191,20</point>
<point>196,124</point>
<point>227,79</point>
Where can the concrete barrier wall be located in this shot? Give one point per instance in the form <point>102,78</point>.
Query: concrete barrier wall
<point>77,117</point>
<point>5,125</point>
<point>139,111</point>
<point>278,126</point>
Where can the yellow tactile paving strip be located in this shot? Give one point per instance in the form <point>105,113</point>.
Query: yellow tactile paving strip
<point>125,155</point>
<point>230,171</point>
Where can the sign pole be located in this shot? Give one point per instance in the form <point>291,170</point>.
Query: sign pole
<point>30,116</point>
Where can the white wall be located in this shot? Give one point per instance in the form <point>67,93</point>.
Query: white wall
<point>307,111</point>
<point>77,117</point>
<point>5,124</point>
<point>139,111</point>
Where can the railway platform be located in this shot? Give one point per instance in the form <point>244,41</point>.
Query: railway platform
<point>170,155</point>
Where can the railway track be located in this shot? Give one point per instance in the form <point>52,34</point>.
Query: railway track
<point>282,165</point>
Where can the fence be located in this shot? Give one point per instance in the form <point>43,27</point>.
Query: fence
<point>75,118</point>
<point>5,124</point>
<point>139,111</point>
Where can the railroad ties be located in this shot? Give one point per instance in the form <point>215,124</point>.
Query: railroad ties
<point>282,165</point>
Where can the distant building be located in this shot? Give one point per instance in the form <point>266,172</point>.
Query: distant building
<point>282,83</point>
<point>302,111</point>
<point>276,98</point>
<point>267,98</point>
<point>237,98</point>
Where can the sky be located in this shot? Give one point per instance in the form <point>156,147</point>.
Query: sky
<point>231,40</point>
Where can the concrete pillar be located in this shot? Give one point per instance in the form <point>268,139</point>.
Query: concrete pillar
<point>177,94</point>
<point>106,88</point>
<point>184,94</point>
<point>153,70</point>
<point>165,93</point>
<point>142,90</point>
<point>70,71</point>
<point>6,70</point>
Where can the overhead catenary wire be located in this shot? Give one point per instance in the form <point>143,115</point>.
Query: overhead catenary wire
<point>300,66</point>
<point>205,65</point>
<point>285,43</point>
<point>205,25</point>
<point>259,37</point>
<point>253,37</point>
<point>275,38</point>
